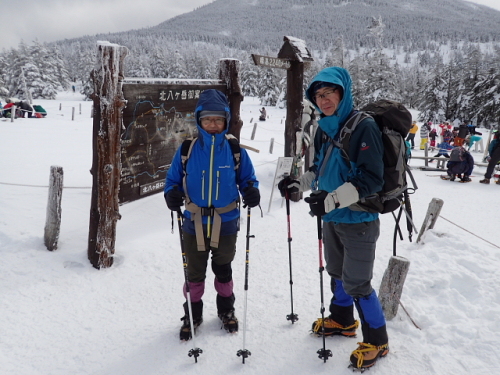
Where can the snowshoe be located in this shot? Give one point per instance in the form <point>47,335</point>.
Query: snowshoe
<point>185,333</point>
<point>446,177</point>
<point>366,355</point>
<point>229,321</point>
<point>334,328</point>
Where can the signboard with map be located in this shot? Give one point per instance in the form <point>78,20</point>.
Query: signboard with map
<point>156,120</point>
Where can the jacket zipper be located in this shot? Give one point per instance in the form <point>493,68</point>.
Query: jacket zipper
<point>218,185</point>
<point>203,185</point>
<point>210,182</point>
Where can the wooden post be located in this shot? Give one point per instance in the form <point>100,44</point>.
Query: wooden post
<point>392,284</point>
<point>229,73</point>
<point>60,106</point>
<point>106,167</point>
<point>253,131</point>
<point>73,114</point>
<point>430,218</point>
<point>271,146</point>
<point>79,108</point>
<point>53,218</point>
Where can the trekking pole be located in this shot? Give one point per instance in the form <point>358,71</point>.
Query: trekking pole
<point>195,352</point>
<point>409,213</point>
<point>322,353</point>
<point>244,353</point>
<point>292,317</point>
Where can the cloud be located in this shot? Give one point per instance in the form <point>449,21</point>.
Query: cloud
<point>51,20</point>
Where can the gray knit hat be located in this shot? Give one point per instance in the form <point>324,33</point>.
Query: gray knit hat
<point>212,113</point>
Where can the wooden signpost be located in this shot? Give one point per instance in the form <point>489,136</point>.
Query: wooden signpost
<point>292,56</point>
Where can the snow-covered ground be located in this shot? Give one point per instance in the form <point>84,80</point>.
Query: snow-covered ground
<point>59,315</point>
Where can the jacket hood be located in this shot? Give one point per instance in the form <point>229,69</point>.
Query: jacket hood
<point>340,77</point>
<point>212,100</point>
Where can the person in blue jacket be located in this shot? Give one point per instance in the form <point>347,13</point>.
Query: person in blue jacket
<point>211,187</point>
<point>350,236</point>
<point>494,158</point>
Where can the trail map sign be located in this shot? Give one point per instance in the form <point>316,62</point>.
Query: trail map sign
<point>157,119</point>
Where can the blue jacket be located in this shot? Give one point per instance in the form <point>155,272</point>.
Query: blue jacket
<point>211,179</point>
<point>444,147</point>
<point>365,151</point>
<point>493,145</point>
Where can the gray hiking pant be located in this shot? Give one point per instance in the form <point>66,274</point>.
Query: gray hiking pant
<point>350,253</point>
<point>197,261</point>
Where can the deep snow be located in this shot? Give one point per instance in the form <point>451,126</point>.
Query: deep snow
<point>59,315</point>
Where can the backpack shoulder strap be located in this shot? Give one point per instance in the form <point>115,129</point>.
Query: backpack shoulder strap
<point>346,132</point>
<point>236,150</point>
<point>186,148</point>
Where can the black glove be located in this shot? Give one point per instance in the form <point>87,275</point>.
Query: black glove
<point>174,199</point>
<point>251,196</point>
<point>288,185</point>
<point>317,202</point>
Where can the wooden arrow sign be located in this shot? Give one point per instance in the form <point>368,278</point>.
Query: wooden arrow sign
<point>271,62</point>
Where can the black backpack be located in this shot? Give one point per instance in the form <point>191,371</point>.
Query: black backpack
<point>394,121</point>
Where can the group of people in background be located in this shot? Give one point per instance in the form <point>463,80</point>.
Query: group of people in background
<point>22,109</point>
<point>455,143</point>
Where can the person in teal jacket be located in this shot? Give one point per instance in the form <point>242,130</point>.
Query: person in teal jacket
<point>211,187</point>
<point>349,235</point>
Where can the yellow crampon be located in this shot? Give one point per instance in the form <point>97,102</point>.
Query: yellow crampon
<point>333,325</point>
<point>364,348</point>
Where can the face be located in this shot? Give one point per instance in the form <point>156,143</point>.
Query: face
<point>327,99</point>
<point>213,124</point>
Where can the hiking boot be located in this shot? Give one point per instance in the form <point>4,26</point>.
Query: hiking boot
<point>185,333</point>
<point>366,355</point>
<point>334,328</point>
<point>485,181</point>
<point>498,182</point>
<point>452,177</point>
<point>465,178</point>
<point>229,321</point>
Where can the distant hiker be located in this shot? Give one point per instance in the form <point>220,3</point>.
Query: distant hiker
<point>7,108</point>
<point>494,158</point>
<point>25,108</point>
<point>447,134</point>
<point>432,137</point>
<point>411,135</point>
<point>460,165</point>
<point>349,236</point>
<point>462,133</point>
<point>211,186</point>
<point>424,134</point>
<point>263,114</point>
<point>74,88</point>
<point>443,149</point>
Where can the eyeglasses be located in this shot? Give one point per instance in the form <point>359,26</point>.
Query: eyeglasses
<point>326,94</point>
<point>217,120</point>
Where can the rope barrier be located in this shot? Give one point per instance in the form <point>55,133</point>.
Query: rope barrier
<point>45,186</point>
<point>469,232</point>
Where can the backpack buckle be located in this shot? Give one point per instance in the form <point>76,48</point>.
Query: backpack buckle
<point>207,211</point>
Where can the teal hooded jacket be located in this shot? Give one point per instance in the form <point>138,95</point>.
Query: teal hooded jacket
<point>365,150</point>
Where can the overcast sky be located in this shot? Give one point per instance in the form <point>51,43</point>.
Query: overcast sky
<point>51,20</point>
